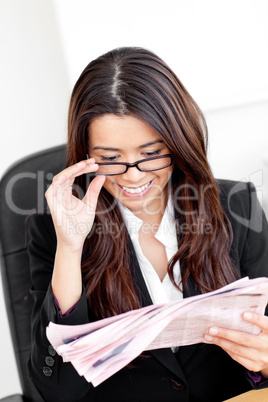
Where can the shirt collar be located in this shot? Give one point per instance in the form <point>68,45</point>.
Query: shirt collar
<point>132,222</point>
<point>166,232</point>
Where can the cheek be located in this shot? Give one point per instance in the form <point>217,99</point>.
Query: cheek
<point>167,174</point>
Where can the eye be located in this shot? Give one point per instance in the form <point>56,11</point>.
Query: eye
<point>109,158</point>
<point>150,154</point>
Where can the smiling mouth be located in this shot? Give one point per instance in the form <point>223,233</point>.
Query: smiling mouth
<point>136,190</point>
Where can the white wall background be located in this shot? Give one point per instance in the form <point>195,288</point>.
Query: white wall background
<point>217,48</point>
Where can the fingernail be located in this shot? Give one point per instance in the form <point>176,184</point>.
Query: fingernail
<point>213,331</point>
<point>208,338</point>
<point>248,316</point>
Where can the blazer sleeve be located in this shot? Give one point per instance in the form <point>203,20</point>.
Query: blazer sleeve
<point>254,259</point>
<point>250,229</point>
<point>55,380</point>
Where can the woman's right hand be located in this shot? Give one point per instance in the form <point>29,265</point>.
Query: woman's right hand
<point>73,218</point>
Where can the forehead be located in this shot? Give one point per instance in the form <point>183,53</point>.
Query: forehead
<point>120,132</point>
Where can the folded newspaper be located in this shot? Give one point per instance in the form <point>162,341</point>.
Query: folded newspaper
<point>99,349</point>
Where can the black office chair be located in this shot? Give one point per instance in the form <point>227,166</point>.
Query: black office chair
<point>22,191</point>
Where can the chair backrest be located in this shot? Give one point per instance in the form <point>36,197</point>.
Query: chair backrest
<point>22,191</point>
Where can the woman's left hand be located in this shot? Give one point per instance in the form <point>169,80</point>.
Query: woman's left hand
<point>251,351</point>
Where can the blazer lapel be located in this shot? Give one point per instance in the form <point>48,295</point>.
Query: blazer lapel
<point>137,277</point>
<point>164,356</point>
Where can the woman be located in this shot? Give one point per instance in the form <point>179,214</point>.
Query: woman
<point>141,221</point>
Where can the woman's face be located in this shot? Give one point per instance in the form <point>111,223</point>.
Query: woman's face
<point>128,139</point>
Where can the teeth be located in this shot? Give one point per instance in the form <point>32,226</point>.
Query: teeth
<point>136,190</point>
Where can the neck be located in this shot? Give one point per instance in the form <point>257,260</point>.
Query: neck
<point>153,213</point>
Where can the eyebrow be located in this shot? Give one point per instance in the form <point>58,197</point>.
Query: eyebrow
<point>118,149</point>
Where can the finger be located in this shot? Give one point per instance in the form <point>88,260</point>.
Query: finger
<point>249,364</point>
<point>257,319</point>
<point>239,337</point>
<point>252,359</point>
<point>237,349</point>
<point>93,191</point>
<point>57,191</point>
<point>70,173</point>
<point>64,180</point>
<point>242,345</point>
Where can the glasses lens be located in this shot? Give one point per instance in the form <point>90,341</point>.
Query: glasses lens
<point>155,164</point>
<point>111,169</point>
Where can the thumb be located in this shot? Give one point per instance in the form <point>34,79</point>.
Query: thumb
<point>93,191</point>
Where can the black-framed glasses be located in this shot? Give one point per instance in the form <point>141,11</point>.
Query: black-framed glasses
<point>144,165</point>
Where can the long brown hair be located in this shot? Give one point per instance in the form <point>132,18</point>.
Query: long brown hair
<point>135,82</point>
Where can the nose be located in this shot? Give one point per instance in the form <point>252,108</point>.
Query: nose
<point>133,174</point>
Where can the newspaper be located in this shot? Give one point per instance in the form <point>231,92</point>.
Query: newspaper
<point>99,349</point>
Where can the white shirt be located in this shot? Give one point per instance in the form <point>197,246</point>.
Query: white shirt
<point>165,291</point>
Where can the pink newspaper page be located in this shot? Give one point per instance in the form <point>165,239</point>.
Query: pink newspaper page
<point>98,350</point>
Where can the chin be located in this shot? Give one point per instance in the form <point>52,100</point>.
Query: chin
<point>133,205</point>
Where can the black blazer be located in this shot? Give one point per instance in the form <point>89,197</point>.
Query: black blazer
<point>199,372</point>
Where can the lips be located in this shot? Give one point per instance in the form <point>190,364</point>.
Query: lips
<point>137,191</point>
